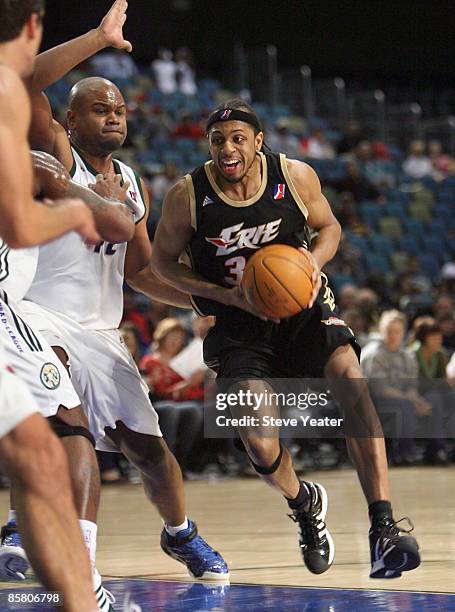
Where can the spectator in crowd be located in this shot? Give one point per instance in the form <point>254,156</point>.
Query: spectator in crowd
<point>282,139</point>
<point>115,65</point>
<point>353,135</point>
<point>443,306</point>
<point>417,165</point>
<point>163,181</point>
<point>186,76</point>
<point>358,185</point>
<point>441,161</point>
<point>317,146</point>
<point>356,320</point>
<point>372,168</point>
<point>164,71</point>
<point>187,128</point>
<point>393,372</point>
<point>177,400</point>
<point>432,362</point>
<point>130,337</point>
<point>447,325</point>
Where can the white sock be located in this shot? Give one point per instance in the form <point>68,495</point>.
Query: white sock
<point>12,516</point>
<point>96,577</point>
<point>173,530</point>
<point>89,531</point>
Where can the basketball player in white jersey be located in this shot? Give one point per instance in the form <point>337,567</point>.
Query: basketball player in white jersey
<point>29,453</point>
<point>80,313</point>
<point>55,396</point>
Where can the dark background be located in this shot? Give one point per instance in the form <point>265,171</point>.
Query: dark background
<point>390,39</point>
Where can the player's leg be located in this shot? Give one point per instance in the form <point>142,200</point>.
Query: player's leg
<point>391,552</point>
<point>34,460</point>
<point>163,484</point>
<point>272,461</point>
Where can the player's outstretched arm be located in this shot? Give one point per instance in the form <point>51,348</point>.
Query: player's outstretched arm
<point>320,218</point>
<point>25,222</point>
<point>53,64</point>
<point>114,220</point>
<point>148,283</point>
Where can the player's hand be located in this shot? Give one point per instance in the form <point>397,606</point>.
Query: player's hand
<point>237,298</point>
<point>110,187</point>
<point>316,276</point>
<point>111,27</point>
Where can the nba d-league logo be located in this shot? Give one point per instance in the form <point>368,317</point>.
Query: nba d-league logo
<point>50,376</point>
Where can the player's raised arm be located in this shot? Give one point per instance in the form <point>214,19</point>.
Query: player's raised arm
<point>114,220</point>
<point>53,64</point>
<point>320,218</point>
<point>24,221</point>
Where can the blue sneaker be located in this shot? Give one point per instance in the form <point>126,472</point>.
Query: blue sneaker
<point>190,549</point>
<point>13,560</point>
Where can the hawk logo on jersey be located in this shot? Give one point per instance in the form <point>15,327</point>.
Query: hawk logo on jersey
<point>50,376</point>
<point>278,191</point>
<point>237,237</point>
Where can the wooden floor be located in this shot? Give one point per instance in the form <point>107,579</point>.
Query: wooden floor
<point>246,521</point>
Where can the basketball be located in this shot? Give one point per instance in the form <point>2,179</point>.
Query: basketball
<point>277,281</point>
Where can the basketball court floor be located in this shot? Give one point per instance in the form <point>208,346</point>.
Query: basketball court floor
<point>247,522</point>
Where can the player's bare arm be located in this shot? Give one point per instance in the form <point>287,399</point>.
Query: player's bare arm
<point>24,221</point>
<point>320,218</point>
<point>172,236</point>
<point>139,272</point>
<point>114,220</point>
<point>53,64</point>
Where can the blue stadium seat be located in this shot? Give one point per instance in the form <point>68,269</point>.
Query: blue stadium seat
<point>359,242</point>
<point>429,264</point>
<point>370,213</point>
<point>396,210</point>
<point>444,213</point>
<point>435,245</point>
<point>437,226</point>
<point>377,263</point>
<point>409,244</point>
<point>395,196</point>
<point>382,244</point>
<point>415,228</point>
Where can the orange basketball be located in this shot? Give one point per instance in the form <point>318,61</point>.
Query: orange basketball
<point>277,281</point>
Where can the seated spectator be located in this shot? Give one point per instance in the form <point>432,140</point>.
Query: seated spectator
<point>392,372</point>
<point>130,337</point>
<point>177,400</point>
<point>356,320</point>
<point>187,128</point>
<point>372,168</point>
<point>355,183</point>
<point>447,325</point>
<point>115,65</point>
<point>162,182</point>
<point>317,146</point>
<point>441,161</point>
<point>186,77</point>
<point>282,139</point>
<point>432,362</point>
<point>417,165</point>
<point>352,136</point>
<point>165,72</point>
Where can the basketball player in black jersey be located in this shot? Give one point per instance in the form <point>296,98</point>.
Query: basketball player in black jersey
<point>220,214</point>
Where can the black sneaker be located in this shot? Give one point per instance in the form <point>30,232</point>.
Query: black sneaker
<point>392,552</point>
<point>315,541</point>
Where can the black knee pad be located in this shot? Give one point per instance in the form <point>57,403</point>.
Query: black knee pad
<point>265,471</point>
<point>62,430</point>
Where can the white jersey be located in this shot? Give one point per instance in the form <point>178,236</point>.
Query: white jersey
<point>81,282</point>
<point>17,270</point>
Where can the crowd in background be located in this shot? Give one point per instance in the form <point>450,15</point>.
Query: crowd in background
<point>393,286</point>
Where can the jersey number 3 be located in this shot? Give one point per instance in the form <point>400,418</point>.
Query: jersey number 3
<point>235,266</point>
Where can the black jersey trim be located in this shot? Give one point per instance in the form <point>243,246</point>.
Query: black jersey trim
<point>287,177</point>
<point>192,196</point>
<point>242,203</point>
<point>4,265</point>
<point>197,310</point>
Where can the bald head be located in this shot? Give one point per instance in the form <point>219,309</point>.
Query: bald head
<point>87,89</point>
<point>97,116</point>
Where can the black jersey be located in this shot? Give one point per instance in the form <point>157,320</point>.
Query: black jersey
<point>227,232</point>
